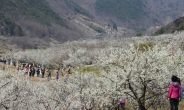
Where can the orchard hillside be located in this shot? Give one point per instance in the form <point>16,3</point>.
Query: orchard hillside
<point>103,70</point>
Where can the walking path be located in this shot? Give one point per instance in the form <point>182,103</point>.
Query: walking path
<point>12,69</point>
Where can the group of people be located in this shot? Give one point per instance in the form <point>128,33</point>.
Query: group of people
<point>175,93</point>
<point>32,69</point>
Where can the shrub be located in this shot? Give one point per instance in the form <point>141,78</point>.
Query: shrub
<point>139,35</point>
<point>143,47</point>
<point>181,27</point>
<point>160,31</point>
<point>97,29</point>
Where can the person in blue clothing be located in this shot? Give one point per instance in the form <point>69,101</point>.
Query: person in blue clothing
<point>2,59</point>
<point>181,89</point>
<point>38,71</point>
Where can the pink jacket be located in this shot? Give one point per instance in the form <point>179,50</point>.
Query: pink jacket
<point>123,101</point>
<point>174,90</point>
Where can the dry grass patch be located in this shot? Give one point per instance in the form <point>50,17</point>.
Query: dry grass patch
<point>89,69</point>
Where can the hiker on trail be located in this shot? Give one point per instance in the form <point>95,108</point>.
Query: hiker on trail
<point>27,70</point>
<point>40,75</point>
<point>31,72</point>
<point>4,61</point>
<point>181,89</point>
<point>37,71</point>
<point>69,67</point>
<point>122,102</point>
<point>174,93</point>
<point>17,64</point>
<point>34,69</point>
<point>63,71</point>
<point>57,75</point>
<point>43,71</point>
<point>48,74</point>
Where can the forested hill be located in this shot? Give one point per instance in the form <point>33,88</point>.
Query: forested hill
<point>9,27</point>
<point>33,10</point>
<point>37,22</point>
<point>176,25</point>
<point>138,15</point>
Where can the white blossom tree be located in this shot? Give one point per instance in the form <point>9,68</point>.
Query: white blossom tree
<point>143,76</point>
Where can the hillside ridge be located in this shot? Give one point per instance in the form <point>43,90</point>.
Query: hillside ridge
<point>176,25</point>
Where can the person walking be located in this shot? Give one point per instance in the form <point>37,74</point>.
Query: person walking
<point>63,71</point>
<point>122,102</point>
<point>27,70</point>
<point>57,75</point>
<point>31,72</point>
<point>69,67</point>
<point>43,71</point>
<point>48,74</point>
<point>34,70</point>
<point>174,93</point>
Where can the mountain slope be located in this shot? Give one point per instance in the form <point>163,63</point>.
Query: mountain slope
<point>37,21</point>
<point>176,25</point>
<point>31,9</point>
<point>139,15</point>
<point>122,9</point>
<point>8,27</point>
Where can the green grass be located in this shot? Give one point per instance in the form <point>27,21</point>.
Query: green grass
<point>89,69</point>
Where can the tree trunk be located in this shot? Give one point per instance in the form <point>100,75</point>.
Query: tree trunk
<point>141,107</point>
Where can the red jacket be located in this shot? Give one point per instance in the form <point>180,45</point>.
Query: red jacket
<point>42,70</point>
<point>174,90</point>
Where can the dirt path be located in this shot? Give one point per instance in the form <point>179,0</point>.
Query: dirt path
<point>12,70</point>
